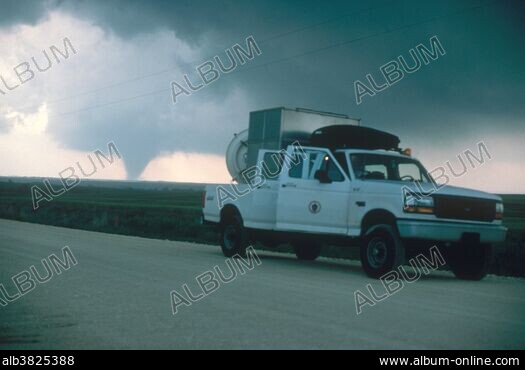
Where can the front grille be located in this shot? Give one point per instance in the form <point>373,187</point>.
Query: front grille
<point>462,208</point>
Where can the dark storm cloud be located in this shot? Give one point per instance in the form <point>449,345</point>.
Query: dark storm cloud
<point>483,65</point>
<point>481,74</point>
<point>188,18</point>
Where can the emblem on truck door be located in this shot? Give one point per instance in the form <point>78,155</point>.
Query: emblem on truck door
<point>314,206</point>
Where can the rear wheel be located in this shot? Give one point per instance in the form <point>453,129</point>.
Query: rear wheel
<point>381,251</point>
<point>307,251</point>
<point>469,261</point>
<point>234,237</point>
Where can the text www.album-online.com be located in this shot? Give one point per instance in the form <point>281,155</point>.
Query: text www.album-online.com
<point>446,361</point>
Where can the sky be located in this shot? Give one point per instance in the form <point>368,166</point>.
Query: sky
<point>116,85</point>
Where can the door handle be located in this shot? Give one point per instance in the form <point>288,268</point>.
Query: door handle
<point>289,184</point>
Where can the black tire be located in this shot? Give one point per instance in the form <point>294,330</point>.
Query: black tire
<point>234,237</point>
<point>307,251</point>
<point>381,250</point>
<point>469,261</point>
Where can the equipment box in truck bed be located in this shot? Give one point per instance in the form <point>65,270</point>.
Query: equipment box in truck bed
<point>276,128</point>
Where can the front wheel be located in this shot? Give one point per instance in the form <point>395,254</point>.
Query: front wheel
<point>469,261</point>
<point>381,251</point>
<point>234,237</point>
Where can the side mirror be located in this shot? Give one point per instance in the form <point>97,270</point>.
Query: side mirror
<point>322,176</point>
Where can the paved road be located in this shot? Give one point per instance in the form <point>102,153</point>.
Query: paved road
<point>118,296</point>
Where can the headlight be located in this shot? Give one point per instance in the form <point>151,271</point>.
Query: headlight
<point>499,211</point>
<point>415,204</point>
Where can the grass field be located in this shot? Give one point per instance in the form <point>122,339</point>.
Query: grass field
<point>174,213</point>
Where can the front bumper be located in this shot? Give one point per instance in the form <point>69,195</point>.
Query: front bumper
<point>449,231</point>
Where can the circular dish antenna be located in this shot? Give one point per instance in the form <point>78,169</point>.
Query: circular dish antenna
<point>237,155</point>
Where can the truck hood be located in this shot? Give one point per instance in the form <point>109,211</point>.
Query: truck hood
<point>398,186</point>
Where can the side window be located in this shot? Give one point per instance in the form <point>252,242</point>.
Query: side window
<point>296,168</point>
<point>334,173</point>
<point>375,172</point>
<point>315,160</point>
<point>341,158</point>
<point>358,165</point>
<point>365,167</point>
<point>305,168</point>
<point>324,162</point>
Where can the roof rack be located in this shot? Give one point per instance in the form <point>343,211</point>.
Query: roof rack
<point>353,137</point>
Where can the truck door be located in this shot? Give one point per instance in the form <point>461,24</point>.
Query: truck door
<point>314,193</point>
<point>264,198</point>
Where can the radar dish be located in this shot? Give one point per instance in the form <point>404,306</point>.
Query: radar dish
<point>237,155</point>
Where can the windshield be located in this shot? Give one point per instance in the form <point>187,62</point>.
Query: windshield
<point>387,167</point>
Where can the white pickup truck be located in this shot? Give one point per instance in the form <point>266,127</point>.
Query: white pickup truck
<point>372,198</point>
